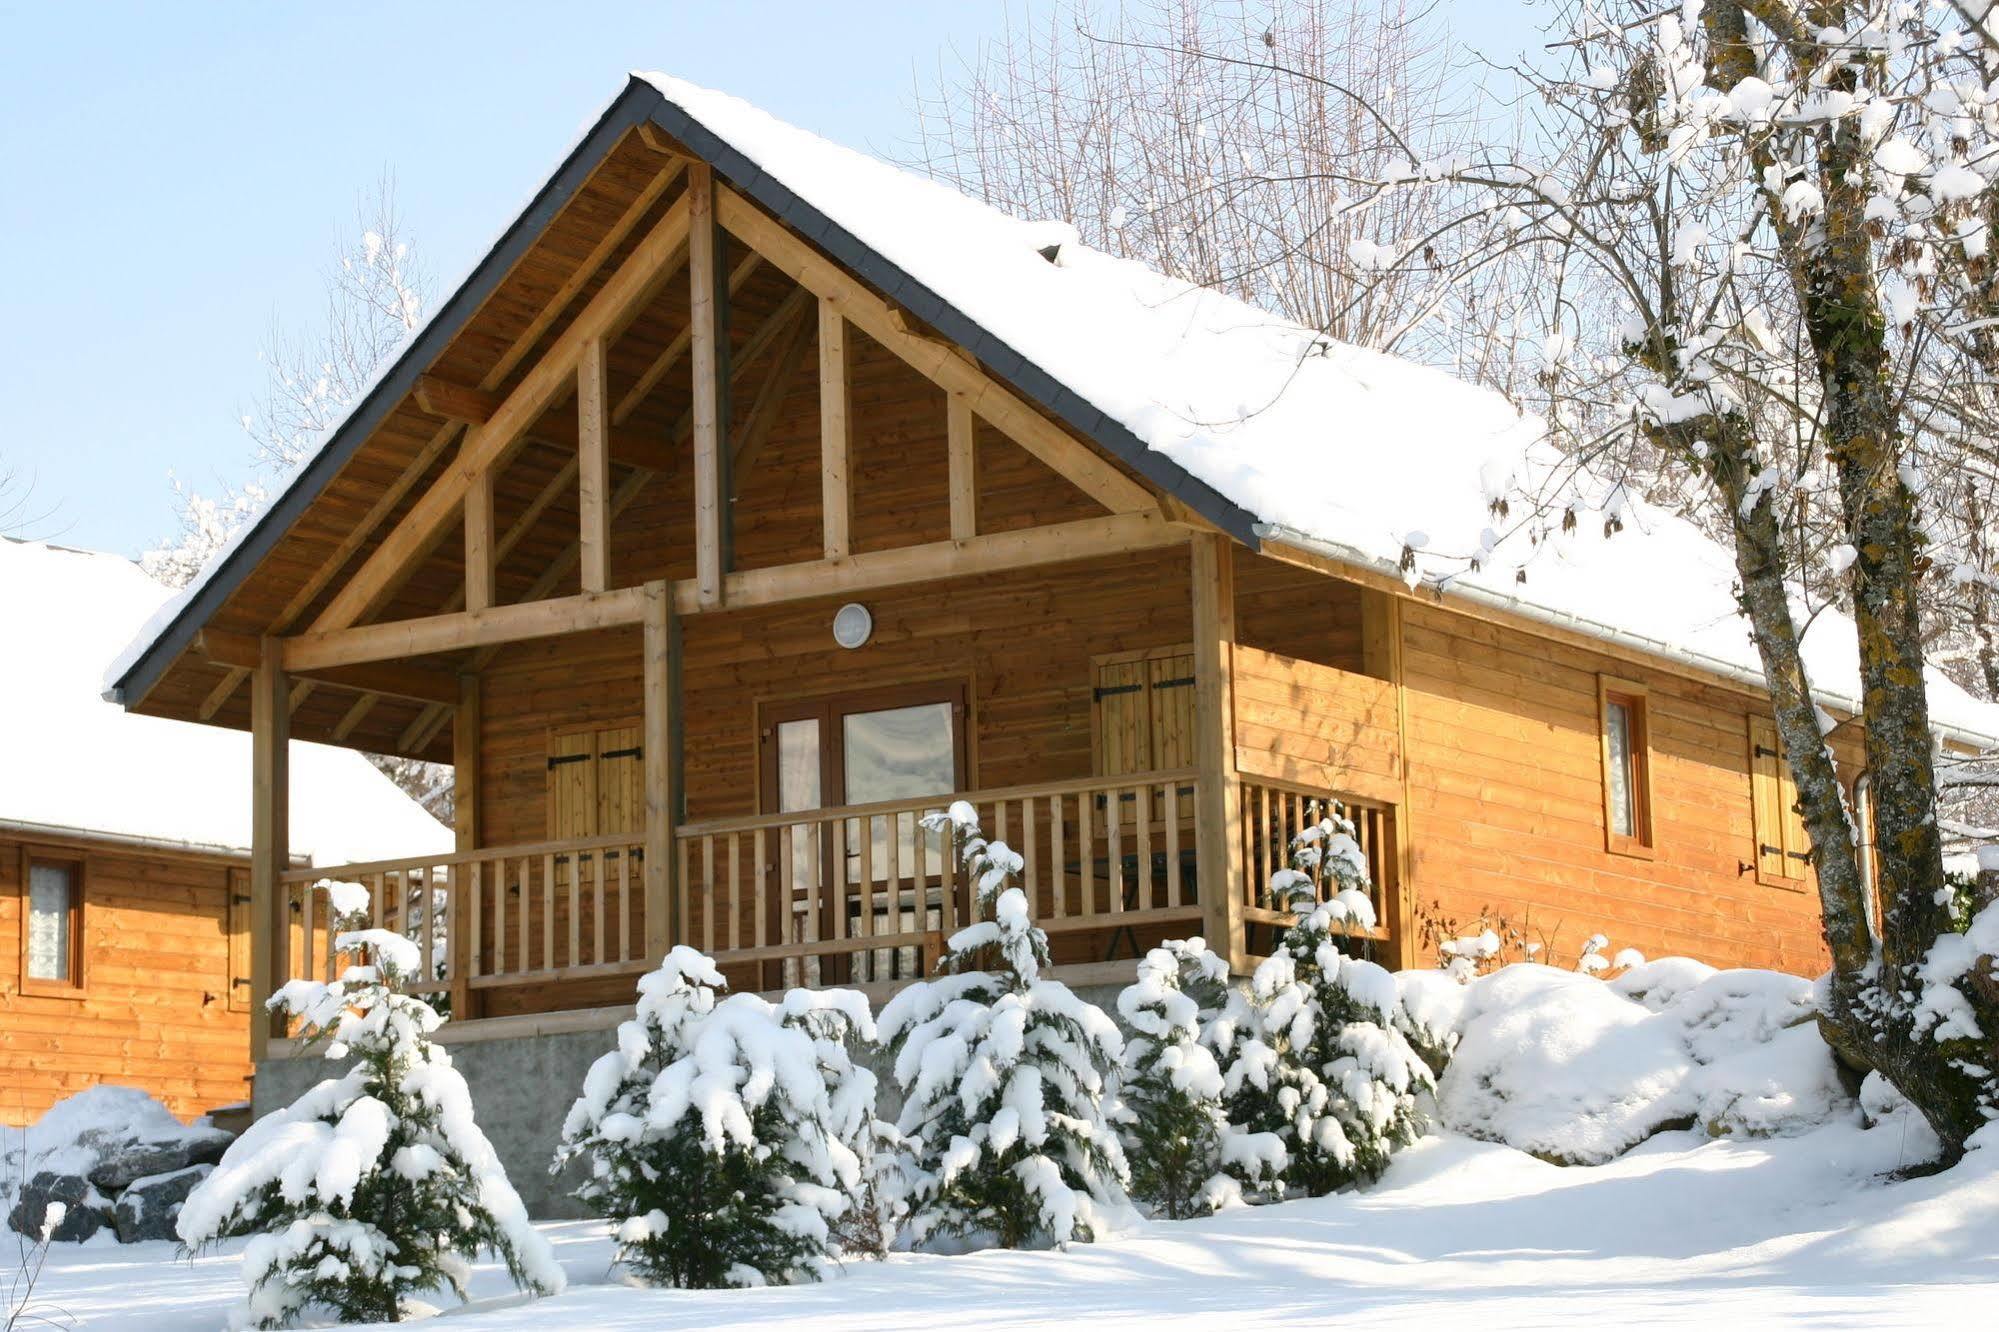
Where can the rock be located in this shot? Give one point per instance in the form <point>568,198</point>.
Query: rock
<point>147,1208</point>
<point>120,1163</point>
<point>80,1219</point>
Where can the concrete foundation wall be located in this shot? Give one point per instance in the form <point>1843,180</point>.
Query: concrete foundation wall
<point>522,1086</point>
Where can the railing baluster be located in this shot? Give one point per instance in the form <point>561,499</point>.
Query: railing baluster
<point>625,904</point>
<point>1143,894</point>
<point>1060,903</point>
<point>475,901</point>
<point>682,910</point>
<point>761,889</point>
<point>1030,852</point>
<point>736,889</point>
<point>708,895</point>
<point>548,912</point>
<point>1114,846</point>
<point>429,926</point>
<point>1086,853</point>
<point>864,828</point>
<point>597,912</point>
<point>575,908</point>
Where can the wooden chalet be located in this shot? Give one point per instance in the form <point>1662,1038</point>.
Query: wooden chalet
<point>752,498</point>
<point>125,855</point>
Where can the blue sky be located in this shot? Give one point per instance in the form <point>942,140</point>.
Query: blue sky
<point>176,175</point>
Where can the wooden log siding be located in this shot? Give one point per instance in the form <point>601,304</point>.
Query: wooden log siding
<point>157,1009</point>
<point>1506,802</point>
<point>1318,726</point>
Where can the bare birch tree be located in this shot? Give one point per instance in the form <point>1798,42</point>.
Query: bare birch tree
<point>1790,204</point>
<point>1175,132</point>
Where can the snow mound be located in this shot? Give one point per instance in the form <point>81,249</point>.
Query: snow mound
<point>79,1133</point>
<point>1576,1071</point>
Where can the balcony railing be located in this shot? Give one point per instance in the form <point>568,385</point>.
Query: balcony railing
<point>852,894</point>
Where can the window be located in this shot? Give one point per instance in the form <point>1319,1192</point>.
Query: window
<point>596,783</point>
<point>1627,766</point>
<point>1144,711</point>
<point>52,923</point>
<point>1783,850</point>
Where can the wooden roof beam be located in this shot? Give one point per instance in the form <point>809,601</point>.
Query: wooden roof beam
<point>939,362</point>
<point>395,679</point>
<point>490,444</point>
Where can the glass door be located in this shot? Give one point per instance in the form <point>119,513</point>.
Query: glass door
<point>897,744</point>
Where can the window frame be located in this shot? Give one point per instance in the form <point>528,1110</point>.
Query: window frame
<point>956,691</point>
<point>1635,698</point>
<point>79,866</point>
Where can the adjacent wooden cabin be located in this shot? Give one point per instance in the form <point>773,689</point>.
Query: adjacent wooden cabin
<point>753,498</point>
<point>125,933</point>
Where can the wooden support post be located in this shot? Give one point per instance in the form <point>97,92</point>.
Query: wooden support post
<point>835,433</point>
<point>1218,807</point>
<point>593,464</point>
<point>660,745</point>
<point>958,444</point>
<point>707,317</point>
<point>270,828</point>
<point>465,728</point>
<point>479,542</point>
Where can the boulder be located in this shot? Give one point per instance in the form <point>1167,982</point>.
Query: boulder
<point>119,1163</point>
<point>81,1219</point>
<point>147,1208</point>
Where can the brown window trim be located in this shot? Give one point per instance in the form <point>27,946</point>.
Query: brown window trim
<point>79,866</point>
<point>1636,700</point>
<point>954,690</point>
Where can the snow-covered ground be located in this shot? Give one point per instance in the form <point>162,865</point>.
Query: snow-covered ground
<point>1681,1230</point>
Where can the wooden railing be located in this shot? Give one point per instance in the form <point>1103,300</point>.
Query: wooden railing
<point>543,911</point>
<point>1274,813</point>
<point>865,892</point>
<point>841,895</point>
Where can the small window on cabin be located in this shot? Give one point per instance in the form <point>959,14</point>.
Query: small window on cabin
<point>1627,767</point>
<point>51,945</point>
<point>1783,848</point>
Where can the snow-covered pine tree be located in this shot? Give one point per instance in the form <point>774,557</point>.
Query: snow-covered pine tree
<point>719,1132</point>
<point>1315,1053</point>
<point>1186,1159</point>
<point>1004,1076</point>
<point>373,1187</point>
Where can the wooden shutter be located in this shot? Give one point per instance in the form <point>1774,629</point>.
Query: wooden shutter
<point>572,785</point>
<point>1783,849</point>
<point>621,778</point>
<point>1171,704</point>
<point>236,918</point>
<point>1124,721</point>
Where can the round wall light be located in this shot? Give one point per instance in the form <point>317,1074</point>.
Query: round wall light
<point>853,625</point>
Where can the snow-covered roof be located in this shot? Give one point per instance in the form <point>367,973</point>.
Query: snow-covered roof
<point>1266,428</point>
<point>1351,452</point>
<point>77,763</point>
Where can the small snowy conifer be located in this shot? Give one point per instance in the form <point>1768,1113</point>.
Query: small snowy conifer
<point>372,1187</point>
<point>719,1133</point>
<point>1004,1077</point>
<point>1186,1159</point>
<point>1316,1052</point>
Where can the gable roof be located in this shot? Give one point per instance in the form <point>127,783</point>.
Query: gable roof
<point>77,764</point>
<point>1264,428</point>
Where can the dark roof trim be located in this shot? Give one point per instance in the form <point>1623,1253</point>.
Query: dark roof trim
<point>631,108</point>
<point>1068,406</point>
<point>639,102</point>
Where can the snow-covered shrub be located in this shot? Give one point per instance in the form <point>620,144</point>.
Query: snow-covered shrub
<point>719,1134</point>
<point>1433,1002</point>
<point>1576,1071</point>
<point>1004,1076</point>
<point>1186,1159</point>
<point>1318,1057</point>
<point>372,1187</point>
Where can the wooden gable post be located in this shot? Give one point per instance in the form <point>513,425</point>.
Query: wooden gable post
<point>836,434</point>
<point>958,443</point>
<point>1381,657</point>
<point>465,727</point>
<point>479,553</point>
<point>270,834</point>
<point>707,302</point>
<point>593,464</point>
<point>660,743</point>
<point>1218,801</point>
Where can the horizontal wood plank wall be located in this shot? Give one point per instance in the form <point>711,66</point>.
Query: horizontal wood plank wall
<point>154,1012</point>
<point>1300,721</point>
<point>1507,810</point>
